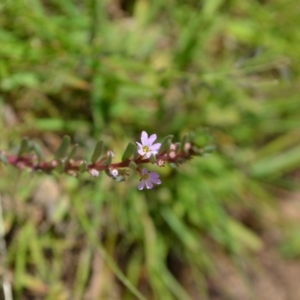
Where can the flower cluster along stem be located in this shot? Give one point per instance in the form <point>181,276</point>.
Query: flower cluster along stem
<point>145,152</point>
<point>30,161</point>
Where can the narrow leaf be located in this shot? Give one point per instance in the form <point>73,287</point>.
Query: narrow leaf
<point>177,147</point>
<point>276,165</point>
<point>135,155</point>
<point>24,146</point>
<point>152,159</point>
<point>187,237</point>
<point>166,143</point>
<point>129,151</point>
<point>119,178</point>
<point>60,166</point>
<point>97,152</point>
<point>209,149</point>
<point>72,153</point>
<point>38,151</point>
<point>61,152</point>
<point>172,165</point>
<point>83,166</point>
<point>107,161</point>
<point>184,140</point>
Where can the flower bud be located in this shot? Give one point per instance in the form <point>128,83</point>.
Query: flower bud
<point>94,172</point>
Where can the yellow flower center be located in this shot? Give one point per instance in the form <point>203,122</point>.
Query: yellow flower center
<point>146,149</point>
<point>145,176</point>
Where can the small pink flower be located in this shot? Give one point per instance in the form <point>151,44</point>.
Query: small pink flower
<point>146,148</point>
<point>114,172</point>
<point>147,179</point>
<point>94,172</point>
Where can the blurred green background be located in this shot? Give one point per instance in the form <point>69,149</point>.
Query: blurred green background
<point>226,226</point>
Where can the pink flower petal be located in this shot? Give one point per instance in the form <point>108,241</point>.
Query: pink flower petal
<point>144,138</point>
<point>140,148</point>
<point>140,152</point>
<point>151,139</point>
<point>149,184</point>
<point>155,147</point>
<point>153,175</point>
<point>141,185</point>
<point>139,145</point>
<point>156,180</point>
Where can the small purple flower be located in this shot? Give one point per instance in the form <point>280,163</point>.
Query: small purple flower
<point>146,148</point>
<point>147,179</point>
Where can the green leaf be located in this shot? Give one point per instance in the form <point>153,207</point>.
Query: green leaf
<point>135,155</point>
<point>209,149</point>
<point>3,158</point>
<point>132,166</point>
<point>166,143</point>
<point>186,236</point>
<point>83,166</point>
<point>61,152</point>
<point>72,153</point>
<point>204,151</point>
<point>244,236</point>
<point>129,151</point>
<point>38,151</point>
<point>276,165</point>
<point>172,165</point>
<point>97,152</point>
<point>201,137</point>
<point>107,161</point>
<point>177,147</point>
<point>24,147</point>
<point>60,166</point>
<point>119,178</point>
<point>152,159</point>
<point>184,140</point>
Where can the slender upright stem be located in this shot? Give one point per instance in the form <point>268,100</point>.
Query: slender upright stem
<point>96,8</point>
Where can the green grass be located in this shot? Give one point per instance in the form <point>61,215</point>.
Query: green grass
<point>92,70</point>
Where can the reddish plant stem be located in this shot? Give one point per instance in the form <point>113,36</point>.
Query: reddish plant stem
<point>31,161</point>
